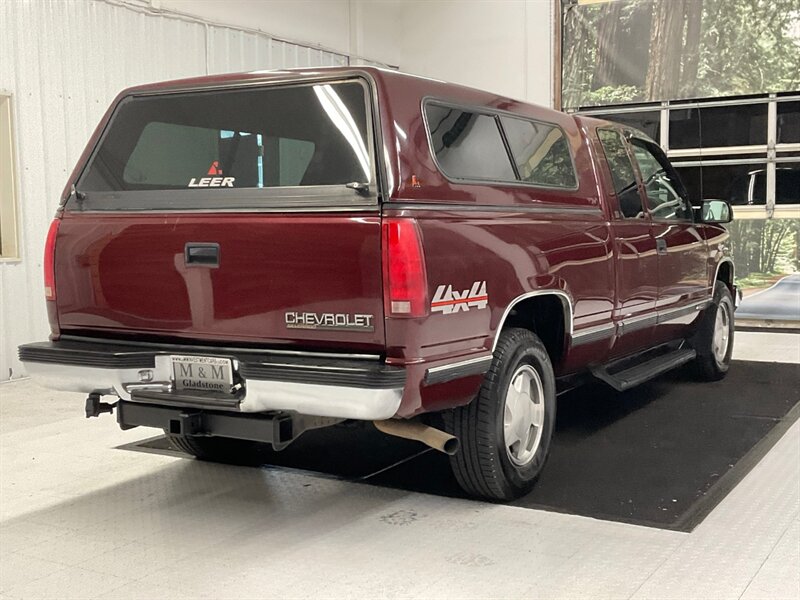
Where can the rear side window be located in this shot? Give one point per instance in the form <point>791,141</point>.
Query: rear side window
<point>540,152</point>
<point>468,145</point>
<point>479,146</point>
<point>269,137</point>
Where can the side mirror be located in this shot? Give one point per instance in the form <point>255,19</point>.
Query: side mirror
<point>715,211</point>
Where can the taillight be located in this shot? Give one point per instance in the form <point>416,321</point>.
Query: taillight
<point>405,278</point>
<point>50,261</point>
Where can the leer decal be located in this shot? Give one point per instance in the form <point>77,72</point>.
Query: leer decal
<point>212,182</point>
<point>448,301</point>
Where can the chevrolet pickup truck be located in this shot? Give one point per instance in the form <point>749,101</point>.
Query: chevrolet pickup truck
<point>238,259</point>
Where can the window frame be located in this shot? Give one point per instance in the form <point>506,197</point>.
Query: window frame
<point>495,114</point>
<point>9,234</point>
<point>330,197</point>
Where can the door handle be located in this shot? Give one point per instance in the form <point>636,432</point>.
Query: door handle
<point>201,255</point>
<point>661,246</point>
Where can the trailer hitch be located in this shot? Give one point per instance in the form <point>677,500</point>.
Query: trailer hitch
<point>94,408</point>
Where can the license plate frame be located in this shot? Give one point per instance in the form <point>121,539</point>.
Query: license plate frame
<point>192,373</point>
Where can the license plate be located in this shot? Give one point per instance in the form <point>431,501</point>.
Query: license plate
<point>204,373</point>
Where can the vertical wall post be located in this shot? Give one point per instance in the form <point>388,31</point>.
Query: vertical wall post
<point>772,138</point>
<point>557,67</point>
<point>664,126</point>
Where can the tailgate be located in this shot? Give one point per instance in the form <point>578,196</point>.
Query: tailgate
<point>232,215</point>
<point>297,279</point>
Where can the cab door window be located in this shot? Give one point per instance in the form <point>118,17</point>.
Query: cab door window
<point>622,173</point>
<point>665,195</point>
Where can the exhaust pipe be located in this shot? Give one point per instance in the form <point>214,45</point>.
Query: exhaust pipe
<point>414,430</point>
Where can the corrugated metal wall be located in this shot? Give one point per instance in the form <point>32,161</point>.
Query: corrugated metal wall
<point>63,62</point>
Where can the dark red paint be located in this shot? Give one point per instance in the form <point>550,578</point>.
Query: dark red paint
<point>123,273</point>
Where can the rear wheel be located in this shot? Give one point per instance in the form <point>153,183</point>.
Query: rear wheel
<point>505,432</point>
<point>713,341</point>
<point>221,449</point>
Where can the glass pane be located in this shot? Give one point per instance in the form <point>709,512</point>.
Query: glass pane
<point>738,125</point>
<point>622,173</point>
<point>294,158</point>
<point>620,51</point>
<point>168,154</point>
<point>788,122</point>
<point>738,184</point>
<point>540,152</point>
<point>787,183</point>
<point>269,137</point>
<point>662,186</point>
<point>468,145</point>
<point>648,123</point>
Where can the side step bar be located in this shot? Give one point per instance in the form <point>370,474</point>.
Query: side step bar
<point>633,376</point>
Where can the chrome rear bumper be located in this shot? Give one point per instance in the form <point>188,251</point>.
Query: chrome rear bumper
<point>325,387</point>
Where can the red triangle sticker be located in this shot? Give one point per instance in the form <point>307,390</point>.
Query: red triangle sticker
<point>214,168</point>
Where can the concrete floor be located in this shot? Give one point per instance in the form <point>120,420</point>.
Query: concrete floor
<point>80,519</point>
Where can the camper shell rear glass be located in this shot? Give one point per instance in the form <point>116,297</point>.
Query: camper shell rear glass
<point>265,146</point>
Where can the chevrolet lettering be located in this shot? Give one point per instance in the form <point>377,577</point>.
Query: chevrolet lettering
<point>372,246</point>
<point>342,321</point>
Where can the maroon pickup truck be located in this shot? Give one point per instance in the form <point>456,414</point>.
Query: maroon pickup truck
<point>239,259</point>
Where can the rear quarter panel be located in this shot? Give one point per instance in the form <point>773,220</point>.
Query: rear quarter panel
<point>516,238</point>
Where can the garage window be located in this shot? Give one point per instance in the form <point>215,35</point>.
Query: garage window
<point>8,201</point>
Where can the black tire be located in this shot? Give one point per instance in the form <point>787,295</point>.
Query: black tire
<point>711,365</point>
<point>222,450</point>
<point>483,466</point>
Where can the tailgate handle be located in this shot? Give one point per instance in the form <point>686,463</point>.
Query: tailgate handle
<point>201,255</point>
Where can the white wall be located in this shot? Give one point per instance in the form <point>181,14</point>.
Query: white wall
<point>498,45</point>
<point>503,46</point>
<point>325,23</point>
<point>63,62</point>
<point>359,28</point>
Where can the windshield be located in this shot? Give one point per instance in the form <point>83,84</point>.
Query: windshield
<point>268,137</point>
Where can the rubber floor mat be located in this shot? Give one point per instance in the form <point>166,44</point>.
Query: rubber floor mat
<point>663,454</point>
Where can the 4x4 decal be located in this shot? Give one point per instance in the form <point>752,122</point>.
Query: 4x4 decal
<point>448,301</point>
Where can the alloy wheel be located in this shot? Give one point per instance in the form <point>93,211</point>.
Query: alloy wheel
<point>722,332</point>
<point>523,415</point>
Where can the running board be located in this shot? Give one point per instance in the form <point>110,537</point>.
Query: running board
<point>633,376</point>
